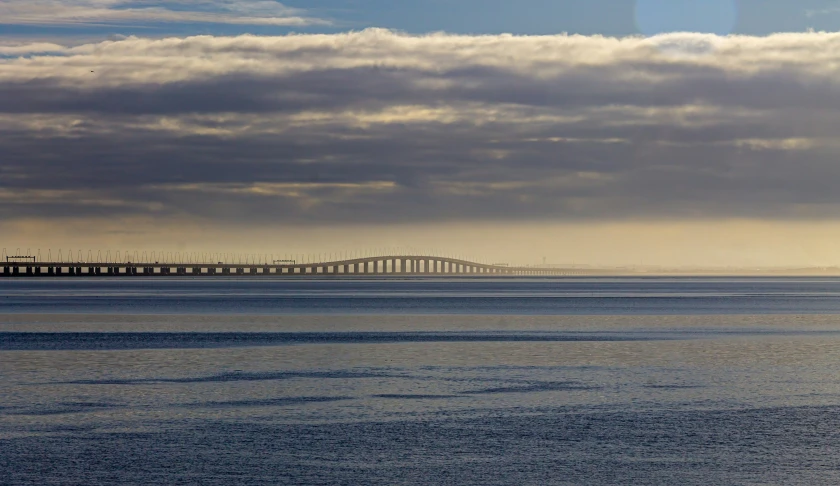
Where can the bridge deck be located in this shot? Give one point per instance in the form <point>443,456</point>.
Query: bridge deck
<point>387,265</point>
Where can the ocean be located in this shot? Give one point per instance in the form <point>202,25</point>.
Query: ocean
<point>420,381</point>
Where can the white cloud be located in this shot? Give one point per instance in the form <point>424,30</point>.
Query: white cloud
<point>822,11</point>
<point>68,12</point>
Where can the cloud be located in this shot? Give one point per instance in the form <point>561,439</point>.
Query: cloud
<point>124,12</point>
<point>376,126</point>
<point>819,12</point>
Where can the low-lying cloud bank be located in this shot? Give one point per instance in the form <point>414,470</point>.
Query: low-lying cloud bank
<point>375,126</point>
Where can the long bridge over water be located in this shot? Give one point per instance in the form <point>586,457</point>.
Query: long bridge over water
<point>396,265</point>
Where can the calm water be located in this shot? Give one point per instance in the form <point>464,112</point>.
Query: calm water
<point>389,382</point>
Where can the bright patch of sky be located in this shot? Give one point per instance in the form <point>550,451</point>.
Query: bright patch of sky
<point>226,17</point>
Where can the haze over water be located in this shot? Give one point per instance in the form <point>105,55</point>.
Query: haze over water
<point>420,381</point>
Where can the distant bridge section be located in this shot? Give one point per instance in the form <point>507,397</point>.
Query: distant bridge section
<point>414,265</point>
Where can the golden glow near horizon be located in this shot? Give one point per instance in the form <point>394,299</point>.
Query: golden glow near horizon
<point>668,244</point>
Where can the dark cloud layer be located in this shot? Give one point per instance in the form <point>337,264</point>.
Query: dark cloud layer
<point>379,127</point>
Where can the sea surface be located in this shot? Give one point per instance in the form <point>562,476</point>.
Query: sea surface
<point>509,381</point>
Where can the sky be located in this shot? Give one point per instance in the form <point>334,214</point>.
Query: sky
<point>605,132</point>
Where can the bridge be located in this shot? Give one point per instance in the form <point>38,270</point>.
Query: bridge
<point>397,265</point>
